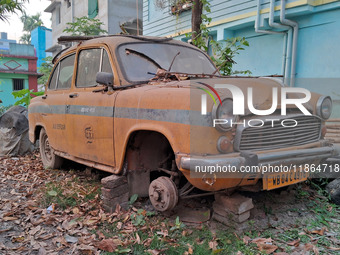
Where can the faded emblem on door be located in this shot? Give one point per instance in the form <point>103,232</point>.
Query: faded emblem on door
<point>89,134</point>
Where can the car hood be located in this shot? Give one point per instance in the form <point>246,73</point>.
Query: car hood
<point>262,91</point>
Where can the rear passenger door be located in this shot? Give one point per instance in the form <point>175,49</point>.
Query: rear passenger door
<point>55,101</point>
<point>90,113</point>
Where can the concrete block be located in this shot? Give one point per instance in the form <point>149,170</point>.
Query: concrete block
<point>115,192</point>
<point>113,181</point>
<point>235,203</point>
<point>228,215</point>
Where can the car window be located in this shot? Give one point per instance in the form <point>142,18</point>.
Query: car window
<point>88,67</point>
<point>53,80</point>
<point>106,66</point>
<point>66,72</point>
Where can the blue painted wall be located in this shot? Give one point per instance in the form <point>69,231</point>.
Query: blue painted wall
<point>41,38</point>
<point>6,87</point>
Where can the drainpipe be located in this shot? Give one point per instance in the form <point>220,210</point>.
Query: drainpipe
<point>72,10</point>
<point>295,27</point>
<point>257,30</point>
<point>257,21</point>
<point>286,41</point>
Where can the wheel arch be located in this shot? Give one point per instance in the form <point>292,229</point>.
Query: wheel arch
<point>145,152</point>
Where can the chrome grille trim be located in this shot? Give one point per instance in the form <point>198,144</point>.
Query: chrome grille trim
<point>267,137</point>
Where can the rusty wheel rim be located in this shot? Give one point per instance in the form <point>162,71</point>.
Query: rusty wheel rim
<point>47,149</point>
<point>163,194</point>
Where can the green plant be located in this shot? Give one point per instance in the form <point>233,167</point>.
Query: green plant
<point>138,218</point>
<point>3,109</point>
<point>201,39</point>
<point>178,225</point>
<point>224,51</point>
<point>85,26</point>
<point>133,199</point>
<point>45,69</point>
<point>57,195</point>
<point>24,96</point>
<point>8,7</point>
<point>30,22</point>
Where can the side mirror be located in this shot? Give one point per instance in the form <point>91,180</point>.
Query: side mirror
<point>105,79</point>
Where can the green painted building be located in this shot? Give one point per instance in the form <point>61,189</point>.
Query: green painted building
<point>18,70</point>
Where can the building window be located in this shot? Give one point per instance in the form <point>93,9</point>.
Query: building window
<point>57,18</point>
<point>92,8</point>
<point>18,84</point>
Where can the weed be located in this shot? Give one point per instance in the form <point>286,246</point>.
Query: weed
<point>139,218</point>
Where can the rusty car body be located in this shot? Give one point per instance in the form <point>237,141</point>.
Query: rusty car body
<point>132,106</point>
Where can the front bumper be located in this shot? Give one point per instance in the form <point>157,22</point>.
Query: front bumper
<point>206,178</point>
<point>284,157</point>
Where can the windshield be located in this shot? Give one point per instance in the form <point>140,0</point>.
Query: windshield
<point>140,61</point>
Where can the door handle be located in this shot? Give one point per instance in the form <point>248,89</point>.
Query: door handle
<point>44,97</point>
<point>73,95</point>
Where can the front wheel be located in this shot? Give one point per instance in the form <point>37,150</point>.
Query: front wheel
<point>163,194</point>
<point>49,159</point>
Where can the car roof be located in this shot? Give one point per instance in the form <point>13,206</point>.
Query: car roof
<point>113,41</point>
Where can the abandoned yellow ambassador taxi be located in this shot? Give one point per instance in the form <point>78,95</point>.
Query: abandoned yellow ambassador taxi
<point>157,110</point>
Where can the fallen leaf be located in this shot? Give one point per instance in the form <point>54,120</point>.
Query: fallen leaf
<point>265,244</point>
<point>137,238</point>
<point>75,210</point>
<point>294,243</point>
<point>267,248</point>
<point>334,248</point>
<point>154,252</point>
<point>246,240</point>
<point>71,239</point>
<point>213,245</point>
<point>9,218</point>
<point>109,245</point>
<point>17,239</point>
<point>320,232</point>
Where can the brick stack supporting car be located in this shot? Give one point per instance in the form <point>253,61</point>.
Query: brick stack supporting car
<point>115,191</point>
<point>231,209</point>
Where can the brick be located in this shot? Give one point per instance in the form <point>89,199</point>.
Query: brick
<point>236,203</point>
<point>113,181</point>
<point>228,215</point>
<point>109,209</point>
<point>116,192</point>
<point>109,205</point>
<point>232,219</point>
<point>117,200</point>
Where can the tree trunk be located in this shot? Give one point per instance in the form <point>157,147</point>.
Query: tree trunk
<point>196,18</point>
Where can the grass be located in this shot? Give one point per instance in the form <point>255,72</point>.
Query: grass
<point>69,192</point>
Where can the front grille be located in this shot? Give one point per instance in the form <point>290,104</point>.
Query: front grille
<point>268,137</point>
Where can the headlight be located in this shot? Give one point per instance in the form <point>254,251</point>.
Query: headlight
<point>324,107</point>
<point>224,112</point>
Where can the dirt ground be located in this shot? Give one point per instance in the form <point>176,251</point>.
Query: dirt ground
<point>59,212</point>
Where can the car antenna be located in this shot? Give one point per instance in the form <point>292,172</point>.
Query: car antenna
<point>172,62</point>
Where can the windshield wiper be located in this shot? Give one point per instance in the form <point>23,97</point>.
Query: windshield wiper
<point>128,51</point>
<point>172,62</point>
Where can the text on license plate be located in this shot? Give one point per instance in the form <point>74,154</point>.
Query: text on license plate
<point>277,180</point>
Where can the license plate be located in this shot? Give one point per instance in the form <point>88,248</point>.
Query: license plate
<point>277,180</point>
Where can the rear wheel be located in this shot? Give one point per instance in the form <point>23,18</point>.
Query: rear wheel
<point>49,159</point>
